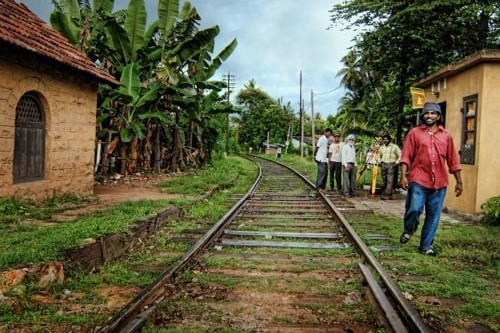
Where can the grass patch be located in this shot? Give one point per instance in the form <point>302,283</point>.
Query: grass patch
<point>33,244</point>
<point>28,243</point>
<point>45,243</point>
<point>220,174</point>
<point>13,211</point>
<point>467,266</point>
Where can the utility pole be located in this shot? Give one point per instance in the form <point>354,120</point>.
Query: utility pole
<point>312,129</point>
<point>229,79</point>
<point>301,119</point>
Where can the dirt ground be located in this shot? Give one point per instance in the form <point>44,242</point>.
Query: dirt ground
<point>395,207</point>
<point>117,189</point>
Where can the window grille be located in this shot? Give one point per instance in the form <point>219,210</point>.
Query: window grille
<point>469,123</point>
<point>29,148</point>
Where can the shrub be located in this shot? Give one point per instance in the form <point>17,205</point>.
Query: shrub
<point>492,211</point>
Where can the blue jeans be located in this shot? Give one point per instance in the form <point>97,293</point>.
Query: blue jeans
<point>417,198</point>
<point>322,175</point>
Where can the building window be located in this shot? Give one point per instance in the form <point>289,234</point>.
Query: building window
<point>467,151</point>
<point>443,113</point>
<point>29,147</point>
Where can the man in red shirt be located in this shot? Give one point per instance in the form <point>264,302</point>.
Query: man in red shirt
<point>430,154</point>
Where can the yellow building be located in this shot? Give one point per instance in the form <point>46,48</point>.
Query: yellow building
<point>469,95</point>
<point>48,102</point>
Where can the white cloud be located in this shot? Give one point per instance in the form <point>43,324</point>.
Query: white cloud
<point>276,40</point>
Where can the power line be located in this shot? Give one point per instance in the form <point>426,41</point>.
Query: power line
<point>327,92</point>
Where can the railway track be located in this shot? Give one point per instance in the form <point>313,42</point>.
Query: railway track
<point>283,259</point>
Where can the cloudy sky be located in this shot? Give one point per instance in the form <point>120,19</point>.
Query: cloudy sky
<point>277,40</point>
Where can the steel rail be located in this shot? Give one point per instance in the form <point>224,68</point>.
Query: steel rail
<point>135,314</point>
<point>410,315</point>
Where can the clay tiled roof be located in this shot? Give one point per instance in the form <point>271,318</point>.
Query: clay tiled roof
<point>22,28</point>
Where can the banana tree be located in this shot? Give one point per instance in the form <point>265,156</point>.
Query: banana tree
<point>201,69</point>
<point>189,50</point>
<point>135,102</point>
<point>149,62</point>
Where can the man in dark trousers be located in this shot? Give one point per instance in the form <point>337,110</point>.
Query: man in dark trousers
<point>390,155</point>
<point>429,153</point>
<point>335,162</point>
<point>321,158</point>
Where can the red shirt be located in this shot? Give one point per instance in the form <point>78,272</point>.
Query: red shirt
<point>428,154</point>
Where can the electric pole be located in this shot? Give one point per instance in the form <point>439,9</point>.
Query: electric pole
<point>301,119</point>
<point>229,79</point>
<point>312,126</point>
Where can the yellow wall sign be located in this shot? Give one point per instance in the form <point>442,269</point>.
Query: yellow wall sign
<point>417,97</point>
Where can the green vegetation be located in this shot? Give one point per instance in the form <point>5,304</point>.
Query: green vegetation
<point>167,99</point>
<point>492,211</point>
<point>465,269</point>
<point>218,175</point>
<point>25,246</point>
<point>167,68</point>
<point>34,237</point>
<point>32,243</point>
<point>378,80</point>
<point>13,210</point>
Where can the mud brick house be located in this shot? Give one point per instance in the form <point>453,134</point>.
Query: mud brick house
<point>469,94</point>
<point>48,99</point>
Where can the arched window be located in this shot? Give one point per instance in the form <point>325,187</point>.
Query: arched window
<point>29,148</point>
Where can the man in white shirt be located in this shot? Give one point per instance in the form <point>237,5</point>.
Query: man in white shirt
<point>321,158</point>
<point>349,163</point>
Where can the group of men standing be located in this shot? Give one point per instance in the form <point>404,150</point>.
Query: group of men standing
<point>428,156</point>
<point>339,160</point>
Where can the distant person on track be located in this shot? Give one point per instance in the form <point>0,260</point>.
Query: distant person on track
<point>335,162</point>
<point>429,153</point>
<point>390,156</point>
<point>321,158</point>
<point>278,153</point>
<point>349,164</point>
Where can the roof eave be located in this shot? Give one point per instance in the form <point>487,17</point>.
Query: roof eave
<point>483,56</point>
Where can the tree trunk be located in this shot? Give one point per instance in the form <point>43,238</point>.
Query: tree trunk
<point>190,135</point>
<point>123,159</point>
<point>148,146</point>
<point>134,155</point>
<point>174,166</point>
<point>157,148</point>
<point>110,147</point>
